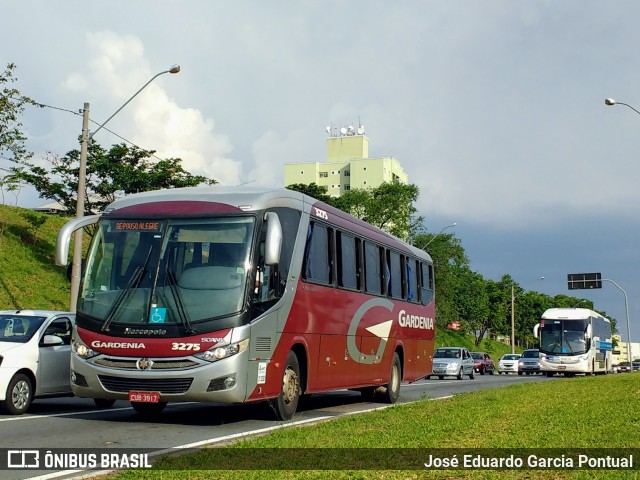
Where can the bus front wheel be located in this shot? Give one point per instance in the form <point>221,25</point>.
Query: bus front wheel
<point>285,404</point>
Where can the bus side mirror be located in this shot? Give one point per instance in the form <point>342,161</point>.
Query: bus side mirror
<point>536,330</point>
<point>588,331</point>
<point>273,242</point>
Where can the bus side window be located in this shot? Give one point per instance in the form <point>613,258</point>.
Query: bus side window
<point>318,259</point>
<point>372,272</point>
<point>426,283</point>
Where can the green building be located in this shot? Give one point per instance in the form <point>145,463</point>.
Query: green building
<point>348,165</point>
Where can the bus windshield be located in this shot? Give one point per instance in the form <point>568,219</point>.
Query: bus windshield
<point>167,271</point>
<point>566,337</point>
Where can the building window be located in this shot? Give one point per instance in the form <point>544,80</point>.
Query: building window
<point>324,174</point>
<point>365,169</point>
<point>301,172</point>
<point>365,182</point>
<point>347,173</point>
<point>347,187</point>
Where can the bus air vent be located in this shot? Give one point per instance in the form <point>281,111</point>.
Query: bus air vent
<point>263,344</point>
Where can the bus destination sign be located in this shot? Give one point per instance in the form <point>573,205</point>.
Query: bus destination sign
<point>132,225</point>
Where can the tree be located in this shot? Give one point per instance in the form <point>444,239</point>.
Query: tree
<point>472,303</point>
<point>313,190</point>
<point>389,206</point>
<point>12,138</point>
<point>119,171</point>
<point>450,265</point>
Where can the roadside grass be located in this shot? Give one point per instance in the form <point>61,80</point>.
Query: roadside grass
<point>589,412</point>
<point>30,279</point>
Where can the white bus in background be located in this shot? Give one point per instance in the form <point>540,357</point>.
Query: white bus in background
<point>574,341</point>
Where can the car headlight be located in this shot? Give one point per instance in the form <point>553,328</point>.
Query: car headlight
<point>80,349</point>
<point>453,365</point>
<point>521,364</point>
<point>218,353</point>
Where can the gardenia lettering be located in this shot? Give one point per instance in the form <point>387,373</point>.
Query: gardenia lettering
<point>99,344</point>
<point>415,321</point>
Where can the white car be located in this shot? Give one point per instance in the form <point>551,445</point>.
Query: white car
<point>452,361</point>
<point>509,363</point>
<point>35,354</point>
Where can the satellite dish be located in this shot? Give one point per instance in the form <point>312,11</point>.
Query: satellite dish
<point>328,129</point>
<point>360,130</point>
<point>343,131</point>
<point>351,129</point>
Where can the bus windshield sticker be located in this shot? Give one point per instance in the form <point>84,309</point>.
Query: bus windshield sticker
<point>131,225</point>
<point>158,315</point>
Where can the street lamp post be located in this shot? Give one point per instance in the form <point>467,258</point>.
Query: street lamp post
<point>626,307</point>
<point>611,101</point>
<point>434,237</point>
<point>513,319</point>
<point>82,174</point>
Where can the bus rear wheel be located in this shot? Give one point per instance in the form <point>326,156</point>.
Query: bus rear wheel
<point>391,391</point>
<point>285,404</point>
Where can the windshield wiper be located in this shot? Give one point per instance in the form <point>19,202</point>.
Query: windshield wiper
<point>133,282</point>
<point>182,313</point>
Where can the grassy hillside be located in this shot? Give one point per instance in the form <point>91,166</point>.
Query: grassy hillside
<point>452,338</point>
<point>29,278</point>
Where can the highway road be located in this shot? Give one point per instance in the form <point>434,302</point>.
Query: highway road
<point>77,423</point>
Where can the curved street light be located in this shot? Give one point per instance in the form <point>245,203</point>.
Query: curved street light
<point>611,101</point>
<point>434,237</point>
<point>82,173</point>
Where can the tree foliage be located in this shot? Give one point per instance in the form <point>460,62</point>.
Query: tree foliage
<point>313,190</point>
<point>121,170</point>
<point>390,206</point>
<point>12,138</point>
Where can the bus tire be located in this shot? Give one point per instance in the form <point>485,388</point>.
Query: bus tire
<point>368,393</point>
<point>392,389</point>
<point>549,374</point>
<point>148,409</point>
<point>286,403</point>
<point>19,395</point>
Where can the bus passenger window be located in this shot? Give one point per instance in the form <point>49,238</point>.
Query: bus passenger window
<point>348,264</point>
<point>373,274</point>
<point>318,261</point>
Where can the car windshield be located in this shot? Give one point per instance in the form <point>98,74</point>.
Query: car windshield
<point>530,354</point>
<point>477,355</point>
<point>447,353</point>
<point>511,357</point>
<point>18,328</point>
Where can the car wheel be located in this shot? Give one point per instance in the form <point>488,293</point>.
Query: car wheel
<point>148,409</point>
<point>482,371</point>
<point>472,375</point>
<point>392,390</point>
<point>491,372</point>
<point>460,376</point>
<point>104,402</point>
<point>286,404</point>
<point>19,395</point>
<point>549,374</point>
<point>441,377</point>
<point>519,373</point>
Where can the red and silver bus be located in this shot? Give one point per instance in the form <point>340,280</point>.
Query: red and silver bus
<point>218,295</point>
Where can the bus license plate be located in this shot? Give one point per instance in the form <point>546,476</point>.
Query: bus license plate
<point>144,397</point>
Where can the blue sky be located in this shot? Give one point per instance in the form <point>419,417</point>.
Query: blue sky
<point>495,109</point>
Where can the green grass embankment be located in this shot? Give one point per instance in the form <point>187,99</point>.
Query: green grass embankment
<point>588,412</point>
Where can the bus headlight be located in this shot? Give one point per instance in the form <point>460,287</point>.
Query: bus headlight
<point>81,350</point>
<point>218,353</point>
